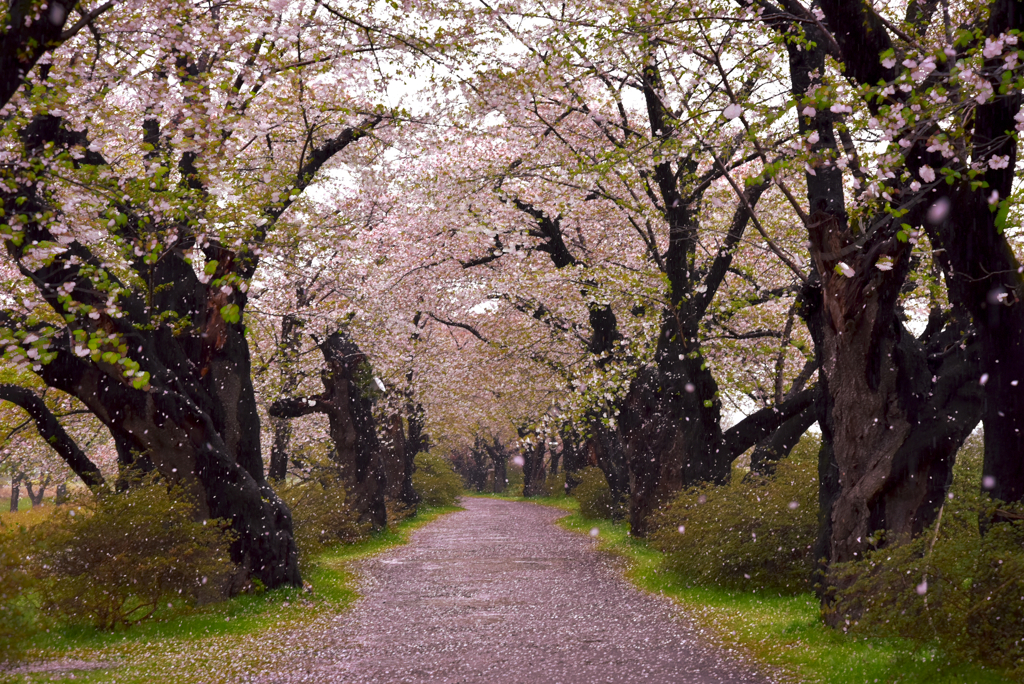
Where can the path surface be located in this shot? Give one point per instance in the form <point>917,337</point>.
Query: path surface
<point>499,594</point>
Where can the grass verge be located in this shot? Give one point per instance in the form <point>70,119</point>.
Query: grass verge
<point>221,642</point>
<point>783,632</point>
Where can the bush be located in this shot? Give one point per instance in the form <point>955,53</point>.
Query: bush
<point>594,495</point>
<point>114,559</point>
<point>554,485</point>
<point>15,613</point>
<point>435,480</point>
<point>756,532</point>
<point>320,514</point>
<point>950,584</point>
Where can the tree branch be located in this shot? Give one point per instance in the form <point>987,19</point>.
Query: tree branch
<point>53,432</point>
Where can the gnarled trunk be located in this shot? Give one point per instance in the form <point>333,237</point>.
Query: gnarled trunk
<point>892,417</point>
<point>347,403</point>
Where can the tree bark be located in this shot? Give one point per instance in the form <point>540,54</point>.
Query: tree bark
<point>894,418</point>
<point>983,274</point>
<point>347,402</point>
<point>770,451</point>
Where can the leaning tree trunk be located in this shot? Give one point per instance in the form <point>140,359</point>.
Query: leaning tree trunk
<point>197,424</point>
<point>347,402</point>
<point>769,452</point>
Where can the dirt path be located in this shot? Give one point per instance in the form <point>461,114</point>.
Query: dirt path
<point>497,593</point>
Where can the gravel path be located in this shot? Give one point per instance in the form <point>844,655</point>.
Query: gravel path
<point>499,594</point>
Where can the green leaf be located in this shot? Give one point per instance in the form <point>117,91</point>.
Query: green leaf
<point>231,313</point>
<point>1004,211</point>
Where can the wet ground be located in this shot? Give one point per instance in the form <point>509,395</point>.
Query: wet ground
<point>498,593</point>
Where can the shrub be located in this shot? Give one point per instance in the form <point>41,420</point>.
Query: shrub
<point>951,584</point>
<point>594,495</point>
<point>756,532</point>
<point>554,485</point>
<point>435,480</point>
<point>15,613</point>
<point>115,558</point>
<point>320,514</point>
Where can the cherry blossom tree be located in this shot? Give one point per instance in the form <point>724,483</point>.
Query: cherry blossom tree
<point>136,243</point>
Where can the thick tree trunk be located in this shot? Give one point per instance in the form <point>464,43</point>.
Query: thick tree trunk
<point>671,420</point>
<point>210,443</point>
<point>893,417</point>
<point>984,276</point>
<point>347,402</point>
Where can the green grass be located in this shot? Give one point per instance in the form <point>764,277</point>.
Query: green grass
<point>783,632</point>
<point>221,641</point>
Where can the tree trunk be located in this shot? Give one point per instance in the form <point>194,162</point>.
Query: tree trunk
<point>393,453</point>
<point>61,496</point>
<point>201,430</point>
<point>279,450</point>
<point>50,429</point>
<point>574,457</point>
<point>347,401</point>
<point>37,497</point>
<point>770,451</point>
<point>894,416</point>
<point>291,336</point>
<point>671,420</point>
<point>499,457</point>
<point>606,449</point>
<point>15,492</point>
<point>533,469</point>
